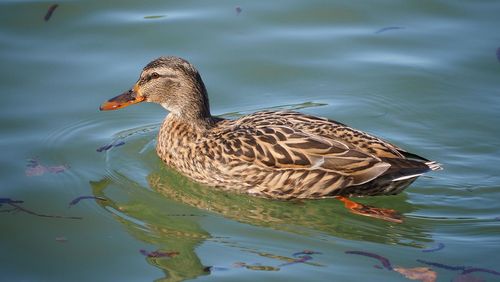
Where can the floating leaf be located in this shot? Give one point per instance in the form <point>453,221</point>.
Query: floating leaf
<point>423,274</point>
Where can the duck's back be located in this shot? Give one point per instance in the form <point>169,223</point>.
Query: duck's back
<point>289,155</point>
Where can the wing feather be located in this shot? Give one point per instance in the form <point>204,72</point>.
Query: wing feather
<point>280,147</point>
<point>326,128</point>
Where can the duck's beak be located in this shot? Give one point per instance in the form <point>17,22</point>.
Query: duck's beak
<point>125,99</point>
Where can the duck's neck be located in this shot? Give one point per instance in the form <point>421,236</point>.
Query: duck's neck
<point>194,123</point>
<point>195,109</point>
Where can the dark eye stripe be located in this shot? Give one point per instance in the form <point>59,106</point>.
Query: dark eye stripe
<point>155,75</point>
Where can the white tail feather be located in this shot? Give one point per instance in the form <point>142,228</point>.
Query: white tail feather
<point>406,177</point>
<point>434,165</point>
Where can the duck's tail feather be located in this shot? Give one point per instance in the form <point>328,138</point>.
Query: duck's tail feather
<point>434,165</point>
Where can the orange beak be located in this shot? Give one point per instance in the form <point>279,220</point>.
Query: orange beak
<point>121,101</point>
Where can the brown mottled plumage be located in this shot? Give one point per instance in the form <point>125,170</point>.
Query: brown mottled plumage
<point>275,154</point>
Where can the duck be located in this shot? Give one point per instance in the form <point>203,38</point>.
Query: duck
<point>278,154</point>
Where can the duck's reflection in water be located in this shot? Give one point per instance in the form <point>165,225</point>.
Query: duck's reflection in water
<point>172,222</point>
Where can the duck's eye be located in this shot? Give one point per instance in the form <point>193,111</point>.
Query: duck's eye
<point>155,75</point>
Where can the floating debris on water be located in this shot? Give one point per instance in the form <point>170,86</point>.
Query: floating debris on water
<point>304,256</point>
<point>9,201</point>
<point>388,28</point>
<point>439,247</point>
<point>34,168</point>
<point>306,252</point>
<point>464,269</point>
<point>441,265</point>
<point>78,199</point>
<point>16,207</point>
<point>238,10</point>
<point>109,146</point>
<point>385,262</point>
<point>119,144</point>
<point>154,17</point>
<point>290,260</point>
<point>262,267</point>
<point>423,274</point>
<point>498,54</point>
<point>51,10</point>
<point>255,266</point>
<point>158,254</point>
<point>301,259</point>
<point>477,269</point>
<point>104,148</point>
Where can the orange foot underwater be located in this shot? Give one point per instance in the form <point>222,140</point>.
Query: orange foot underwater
<point>380,213</point>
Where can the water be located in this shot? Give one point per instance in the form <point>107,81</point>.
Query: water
<point>422,74</point>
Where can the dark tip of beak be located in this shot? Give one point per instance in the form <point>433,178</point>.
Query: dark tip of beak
<point>127,98</point>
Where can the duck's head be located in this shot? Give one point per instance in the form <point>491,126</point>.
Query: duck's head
<point>171,82</point>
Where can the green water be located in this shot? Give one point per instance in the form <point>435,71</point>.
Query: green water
<point>431,86</point>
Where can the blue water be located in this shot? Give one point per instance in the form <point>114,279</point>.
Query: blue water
<point>421,74</point>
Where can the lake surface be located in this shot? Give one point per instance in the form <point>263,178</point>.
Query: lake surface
<point>424,75</point>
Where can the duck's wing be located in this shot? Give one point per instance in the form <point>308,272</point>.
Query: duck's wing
<point>330,129</point>
<point>362,141</point>
<point>279,147</point>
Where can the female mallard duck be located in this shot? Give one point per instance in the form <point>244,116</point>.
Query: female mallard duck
<point>274,154</point>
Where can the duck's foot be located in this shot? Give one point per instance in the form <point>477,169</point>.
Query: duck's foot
<point>380,213</point>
